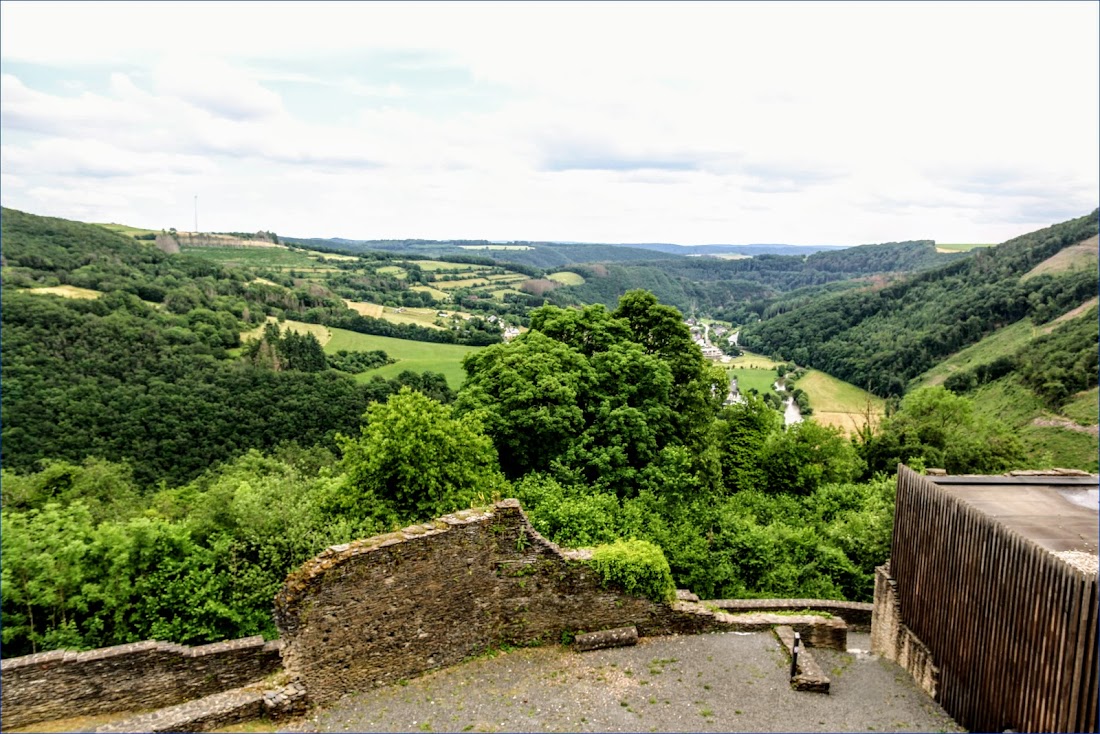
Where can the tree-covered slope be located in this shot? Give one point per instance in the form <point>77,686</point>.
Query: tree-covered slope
<point>881,339</point>
<point>144,373</point>
<point>734,288</point>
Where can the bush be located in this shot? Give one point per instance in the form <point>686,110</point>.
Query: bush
<point>638,566</point>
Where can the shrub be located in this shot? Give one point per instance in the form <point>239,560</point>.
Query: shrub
<point>638,566</point>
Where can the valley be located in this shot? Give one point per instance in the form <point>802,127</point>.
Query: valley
<point>173,400</point>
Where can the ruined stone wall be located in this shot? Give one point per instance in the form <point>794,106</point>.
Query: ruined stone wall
<point>375,611</point>
<point>891,639</point>
<point>142,675</point>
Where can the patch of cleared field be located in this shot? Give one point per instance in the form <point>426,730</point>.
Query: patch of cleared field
<point>464,283</point>
<point>364,308</point>
<point>1061,448</point>
<point>393,270</point>
<point>334,256</point>
<point>275,257</point>
<point>127,229</point>
<point>410,355</point>
<point>953,247</point>
<point>1084,409</point>
<point>496,247</point>
<point>1070,315</point>
<point>322,332</point>
<point>728,256</point>
<point>265,281</point>
<point>1082,256</point>
<point>1001,343</point>
<point>434,292</point>
<point>419,316</point>
<point>748,359</point>
<point>566,277</point>
<point>840,404</point>
<point>499,295</point>
<point>831,395</point>
<point>434,265</point>
<point>67,291</point>
<point>505,277</point>
<point>757,378</point>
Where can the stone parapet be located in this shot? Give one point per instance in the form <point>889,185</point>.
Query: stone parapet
<point>394,606</point>
<point>140,675</point>
<point>857,615</point>
<point>891,639</point>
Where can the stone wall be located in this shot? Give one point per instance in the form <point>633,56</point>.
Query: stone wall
<point>857,615</point>
<point>375,611</point>
<point>891,639</point>
<point>142,675</point>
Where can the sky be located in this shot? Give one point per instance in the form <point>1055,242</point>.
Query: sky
<point>689,123</point>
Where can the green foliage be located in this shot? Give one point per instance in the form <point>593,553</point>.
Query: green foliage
<point>415,460</point>
<point>637,566</point>
<point>353,362</point>
<point>807,455</point>
<point>1064,362</point>
<point>942,430</point>
<point>880,339</point>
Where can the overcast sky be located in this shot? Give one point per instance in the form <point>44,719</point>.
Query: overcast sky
<point>785,122</point>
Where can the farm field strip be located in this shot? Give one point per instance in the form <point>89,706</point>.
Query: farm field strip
<point>410,355</point>
<point>754,378</point>
<point>566,277</point>
<point>466,283</point>
<point>435,265</point>
<point>831,395</point>
<point>66,291</point>
<point>748,359</point>
<point>495,247</point>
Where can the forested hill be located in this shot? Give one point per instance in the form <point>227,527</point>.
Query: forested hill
<point>881,339</point>
<point>138,366</point>
<point>544,255</point>
<point>725,287</point>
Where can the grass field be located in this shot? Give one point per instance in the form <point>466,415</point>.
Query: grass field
<point>567,278</point>
<point>952,247</point>
<point>748,359</point>
<point>434,292</point>
<point>67,291</point>
<point>1083,408</point>
<point>756,378</point>
<point>1082,256</point>
<point>464,283</point>
<point>496,247</point>
<point>363,308</point>
<point>838,403</point>
<point>410,355</point>
<point>127,230</point>
<point>276,258</point>
<point>499,295</point>
<point>434,265</point>
<point>1001,343</point>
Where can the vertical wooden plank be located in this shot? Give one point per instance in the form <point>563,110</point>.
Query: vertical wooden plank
<point>1067,693</point>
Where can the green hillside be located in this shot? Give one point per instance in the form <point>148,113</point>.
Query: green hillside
<point>885,338</point>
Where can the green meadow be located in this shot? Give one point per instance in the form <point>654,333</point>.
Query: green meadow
<point>410,355</point>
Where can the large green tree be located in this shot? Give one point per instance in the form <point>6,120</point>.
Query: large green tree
<point>414,460</point>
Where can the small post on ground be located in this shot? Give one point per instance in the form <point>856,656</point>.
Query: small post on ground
<point>794,654</point>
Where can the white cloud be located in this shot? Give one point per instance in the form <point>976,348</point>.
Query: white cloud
<point>688,122</point>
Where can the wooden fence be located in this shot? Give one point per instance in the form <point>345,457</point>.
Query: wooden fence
<point>1011,627</point>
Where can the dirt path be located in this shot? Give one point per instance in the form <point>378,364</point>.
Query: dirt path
<point>717,682</point>
<point>1066,424</point>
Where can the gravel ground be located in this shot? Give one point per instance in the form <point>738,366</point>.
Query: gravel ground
<point>717,682</point>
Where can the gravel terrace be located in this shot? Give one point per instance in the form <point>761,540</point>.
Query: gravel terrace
<point>726,681</point>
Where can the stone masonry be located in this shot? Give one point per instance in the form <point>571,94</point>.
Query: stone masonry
<point>141,675</point>
<point>394,606</point>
